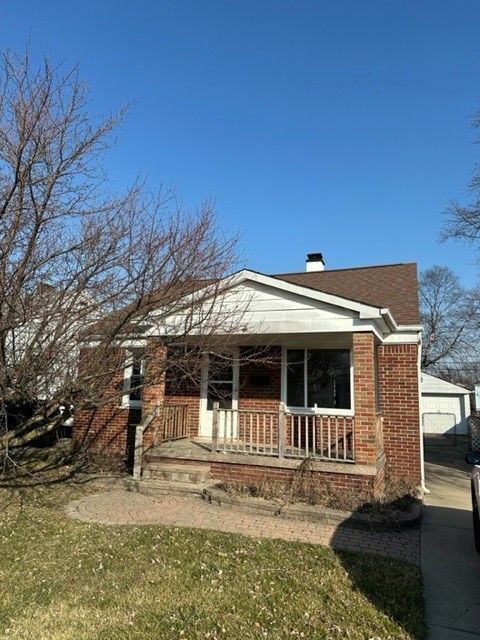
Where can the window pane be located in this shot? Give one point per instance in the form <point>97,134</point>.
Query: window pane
<point>220,367</point>
<point>328,375</point>
<point>220,392</point>
<point>136,378</point>
<point>295,378</point>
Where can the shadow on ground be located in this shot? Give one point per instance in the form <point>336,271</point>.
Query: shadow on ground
<point>392,586</point>
<point>451,568</point>
<point>447,451</point>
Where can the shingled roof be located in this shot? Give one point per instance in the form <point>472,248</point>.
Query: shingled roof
<point>388,285</point>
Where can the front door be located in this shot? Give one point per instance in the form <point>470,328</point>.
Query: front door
<point>219,384</point>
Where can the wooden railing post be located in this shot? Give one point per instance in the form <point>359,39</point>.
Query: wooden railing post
<point>215,417</point>
<point>138,452</point>
<point>282,430</point>
<point>139,433</point>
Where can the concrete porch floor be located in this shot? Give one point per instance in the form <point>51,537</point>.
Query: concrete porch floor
<point>198,450</point>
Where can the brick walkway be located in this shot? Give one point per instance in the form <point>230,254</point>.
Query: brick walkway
<point>125,507</point>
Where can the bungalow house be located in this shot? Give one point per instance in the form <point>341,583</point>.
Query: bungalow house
<point>337,382</point>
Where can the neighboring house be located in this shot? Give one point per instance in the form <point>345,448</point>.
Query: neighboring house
<point>52,319</point>
<point>445,406</point>
<point>341,385</point>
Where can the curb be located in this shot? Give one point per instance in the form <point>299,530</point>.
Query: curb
<point>398,521</point>
<point>152,487</point>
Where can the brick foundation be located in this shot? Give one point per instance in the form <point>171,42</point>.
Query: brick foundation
<point>248,474</point>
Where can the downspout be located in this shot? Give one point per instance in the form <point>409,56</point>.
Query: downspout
<point>420,414</point>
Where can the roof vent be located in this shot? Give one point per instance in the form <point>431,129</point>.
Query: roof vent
<point>315,262</point>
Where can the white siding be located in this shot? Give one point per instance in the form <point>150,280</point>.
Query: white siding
<point>253,308</point>
<point>445,413</point>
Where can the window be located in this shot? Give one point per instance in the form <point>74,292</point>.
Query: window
<point>318,378</point>
<point>133,379</point>
<point>220,382</point>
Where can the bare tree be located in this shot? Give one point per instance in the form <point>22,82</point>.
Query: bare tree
<point>451,323</point>
<point>463,223</point>
<point>78,262</point>
<point>463,220</point>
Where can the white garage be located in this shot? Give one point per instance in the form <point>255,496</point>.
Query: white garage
<point>445,406</point>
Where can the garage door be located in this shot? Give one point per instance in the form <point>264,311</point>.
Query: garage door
<point>439,423</point>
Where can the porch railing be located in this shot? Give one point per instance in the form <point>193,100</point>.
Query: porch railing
<point>170,422</point>
<point>173,422</point>
<point>283,434</point>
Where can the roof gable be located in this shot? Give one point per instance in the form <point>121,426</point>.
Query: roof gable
<point>432,384</point>
<point>252,302</point>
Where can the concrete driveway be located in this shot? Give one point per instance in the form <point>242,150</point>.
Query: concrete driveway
<point>450,564</point>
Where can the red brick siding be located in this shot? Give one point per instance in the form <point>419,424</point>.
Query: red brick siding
<point>399,403</point>
<point>260,379</point>
<point>364,397</point>
<point>154,374</point>
<point>260,390</point>
<point>109,429</point>
<point>193,416</point>
<point>255,475</point>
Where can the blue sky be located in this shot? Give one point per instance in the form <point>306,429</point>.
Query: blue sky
<point>341,126</point>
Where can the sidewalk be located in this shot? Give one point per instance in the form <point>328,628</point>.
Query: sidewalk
<point>450,564</point>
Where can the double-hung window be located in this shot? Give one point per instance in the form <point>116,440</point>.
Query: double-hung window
<point>319,379</point>
<point>133,379</point>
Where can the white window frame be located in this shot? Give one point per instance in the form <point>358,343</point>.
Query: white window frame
<point>206,414</point>
<point>127,378</point>
<point>315,410</point>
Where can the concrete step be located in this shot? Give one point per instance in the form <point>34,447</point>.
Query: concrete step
<point>153,487</point>
<point>194,474</point>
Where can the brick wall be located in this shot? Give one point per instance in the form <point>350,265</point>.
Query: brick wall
<point>255,475</point>
<point>399,403</point>
<point>174,388</point>
<point>364,383</point>
<point>107,427</point>
<point>108,430</point>
<point>154,386</point>
<point>259,390</point>
<point>154,374</point>
<point>193,416</point>
<point>260,379</point>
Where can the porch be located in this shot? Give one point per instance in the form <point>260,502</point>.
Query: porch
<point>197,453</point>
<point>282,433</point>
<point>240,407</point>
<point>249,445</point>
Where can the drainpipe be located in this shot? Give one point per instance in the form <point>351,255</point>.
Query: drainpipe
<point>422,457</point>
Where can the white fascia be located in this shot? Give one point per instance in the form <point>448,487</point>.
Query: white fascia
<point>132,342</point>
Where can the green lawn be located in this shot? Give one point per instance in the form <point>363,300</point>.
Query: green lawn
<point>62,579</point>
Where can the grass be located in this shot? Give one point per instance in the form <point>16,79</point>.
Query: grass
<point>62,579</point>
